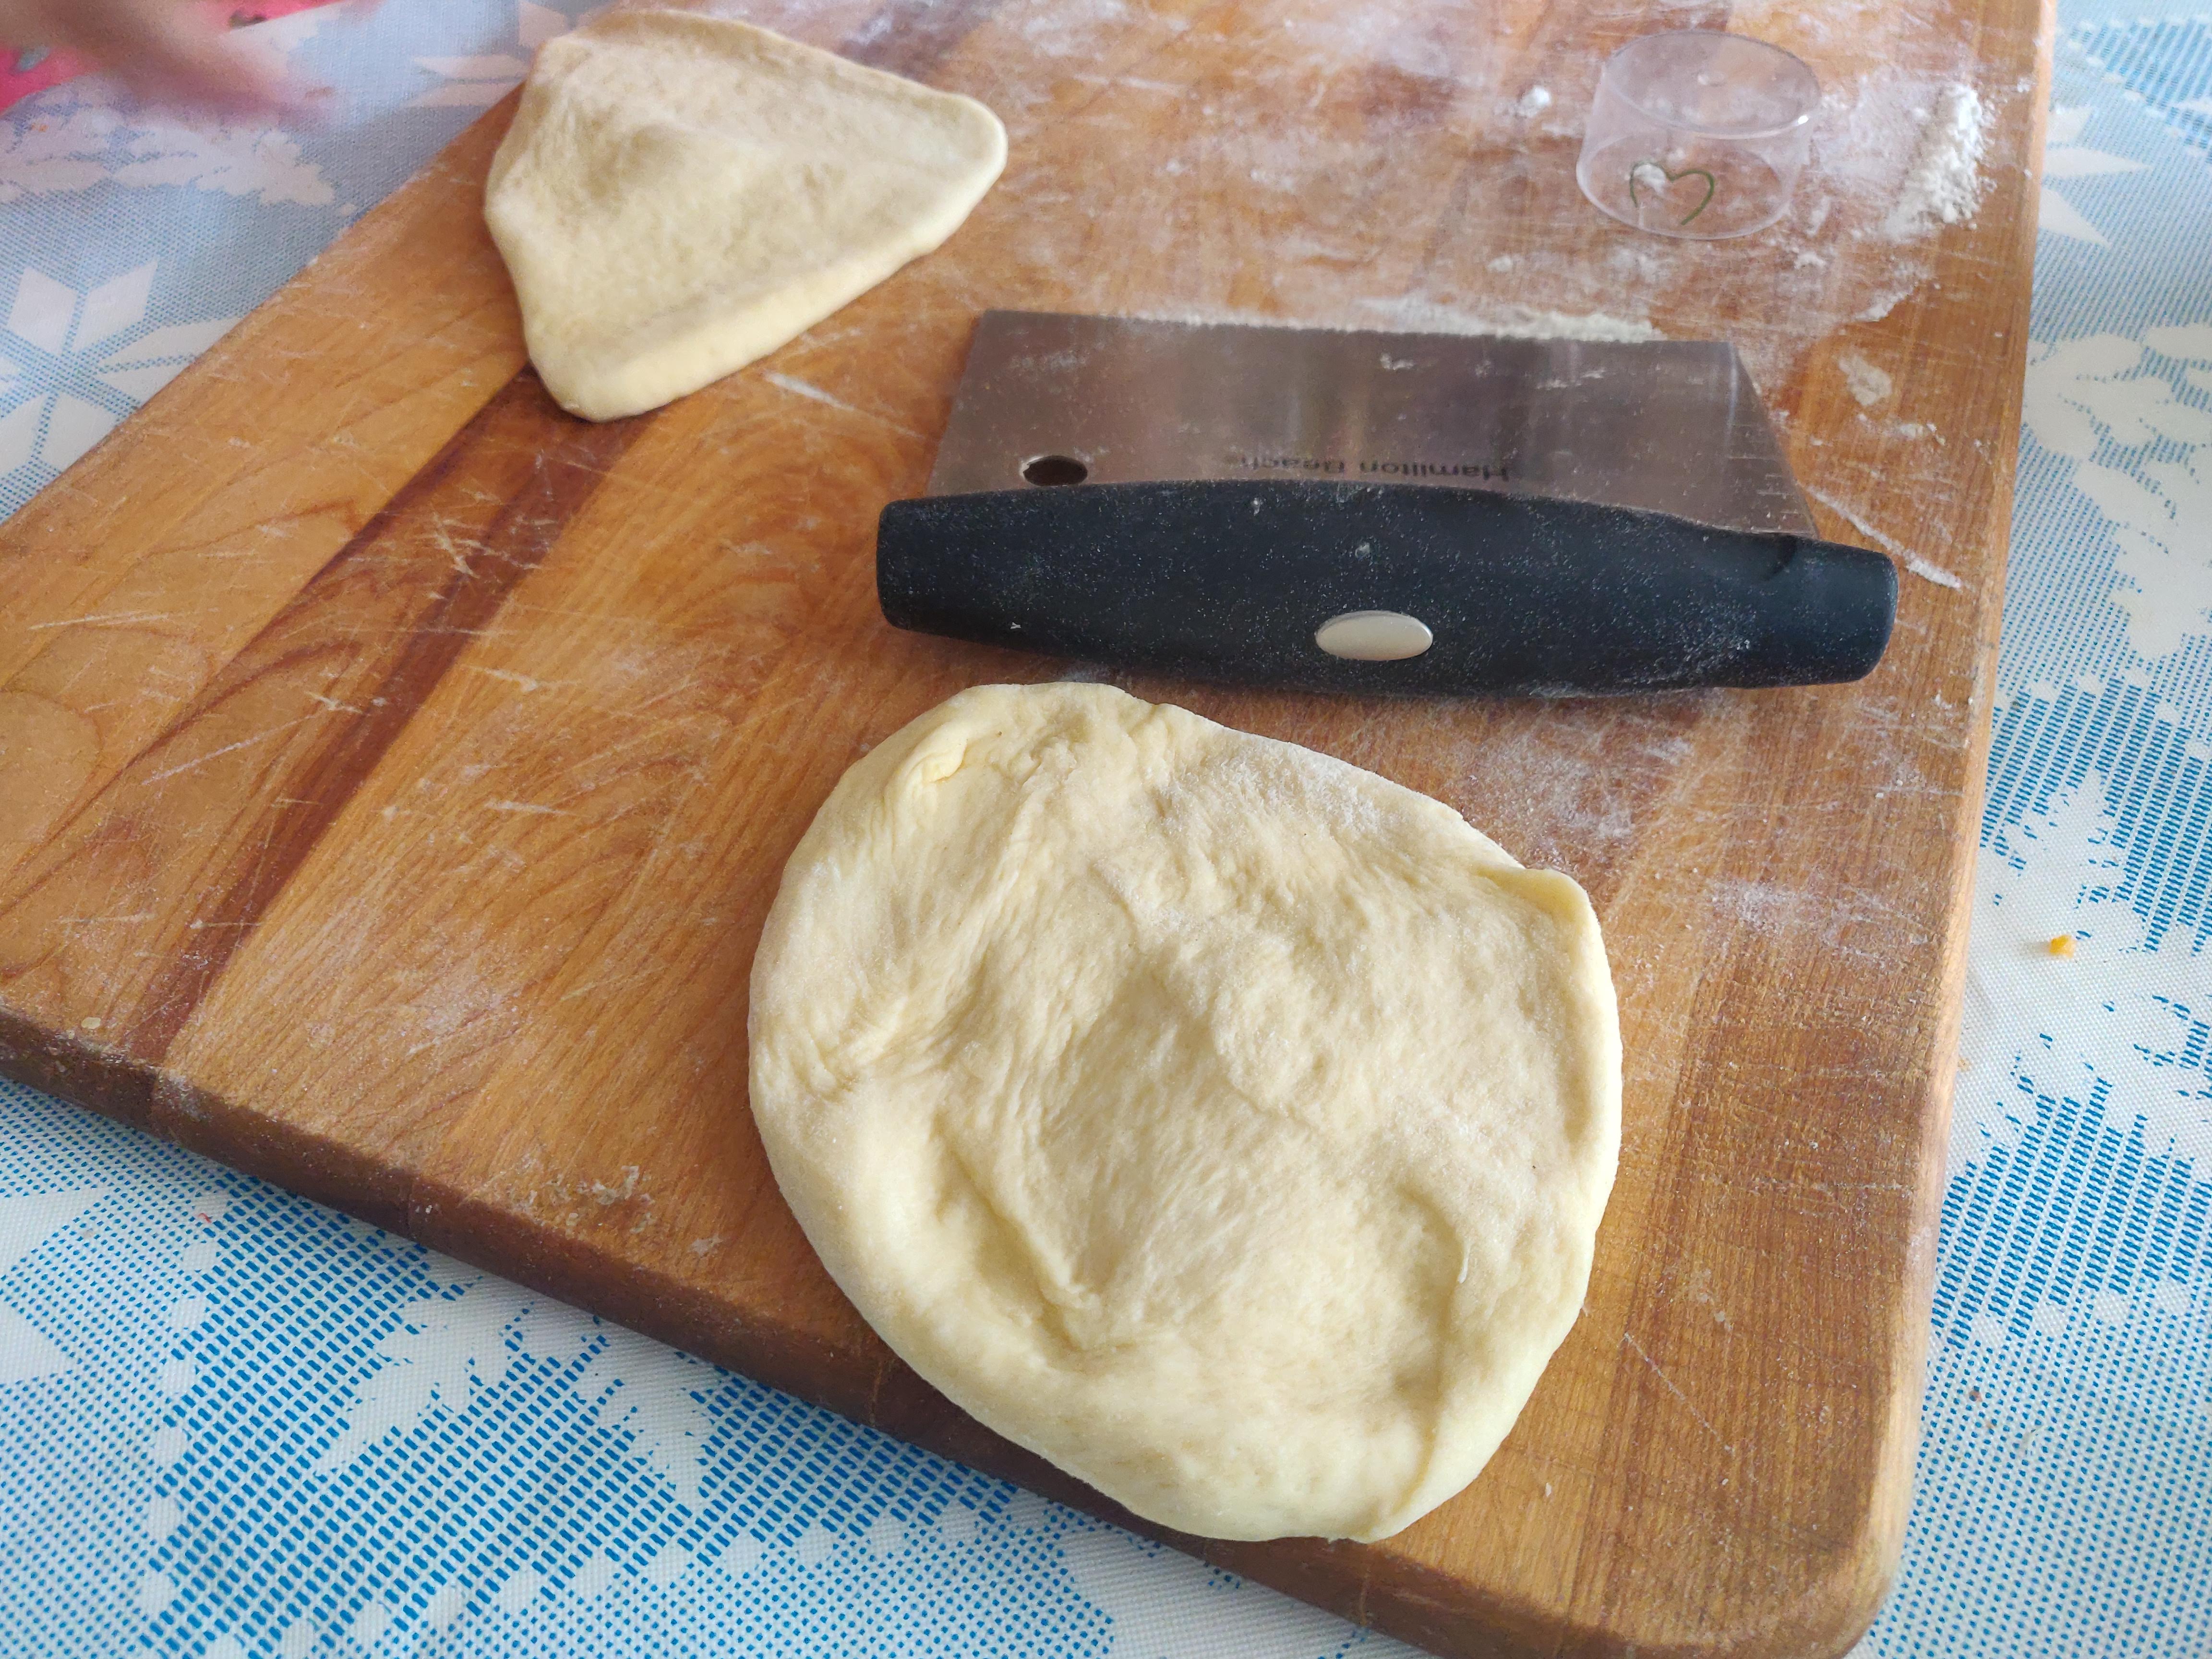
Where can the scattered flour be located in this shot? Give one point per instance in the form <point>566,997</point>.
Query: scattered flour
<point>1945,182</point>
<point>1867,383</point>
<point>1518,322</point>
<point>1934,573</point>
<point>1420,316</point>
<point>1534,102</point>
<point>1835,263</point>
<point>1888,302</point>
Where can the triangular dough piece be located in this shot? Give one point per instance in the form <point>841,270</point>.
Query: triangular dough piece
<point>681,194</point>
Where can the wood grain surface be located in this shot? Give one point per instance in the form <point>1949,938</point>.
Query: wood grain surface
<point>394,773</point>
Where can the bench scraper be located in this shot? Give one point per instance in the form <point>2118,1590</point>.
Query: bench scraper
<point>1363,512</point>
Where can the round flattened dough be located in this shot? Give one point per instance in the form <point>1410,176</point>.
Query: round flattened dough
<point>1225,1123</point>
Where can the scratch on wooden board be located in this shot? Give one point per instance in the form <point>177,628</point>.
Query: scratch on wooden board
<point>228,748</point>
<point>530,807</point>
<point>802,389</point>
<point>875,1389</point>
<point>587,988</point>
<point>798,388</point>
<point>1137,81</point>
<point>1918,565</point>
<point>1629,1338</point>
<point>441,531</point>
<point>113,618</point>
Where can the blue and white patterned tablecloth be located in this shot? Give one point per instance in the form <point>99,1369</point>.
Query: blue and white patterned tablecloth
<point>233,1422</point>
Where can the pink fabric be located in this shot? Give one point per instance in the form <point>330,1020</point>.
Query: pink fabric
<point>57,66</point>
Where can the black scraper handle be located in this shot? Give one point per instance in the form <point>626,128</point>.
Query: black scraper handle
<point>1522,595</point>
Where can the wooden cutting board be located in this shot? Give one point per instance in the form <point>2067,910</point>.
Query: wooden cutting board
<point>394,772</point>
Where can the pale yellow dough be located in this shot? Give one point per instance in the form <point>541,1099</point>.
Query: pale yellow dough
<point>1226,1123</point>
<point>681,194</point>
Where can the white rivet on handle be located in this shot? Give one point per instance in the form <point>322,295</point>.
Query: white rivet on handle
<point>1374,636</point>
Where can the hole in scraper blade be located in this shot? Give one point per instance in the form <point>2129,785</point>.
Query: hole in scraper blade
<point>1051,470</point>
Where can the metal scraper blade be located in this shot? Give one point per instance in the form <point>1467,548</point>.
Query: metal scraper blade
<point>1673,426</point>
